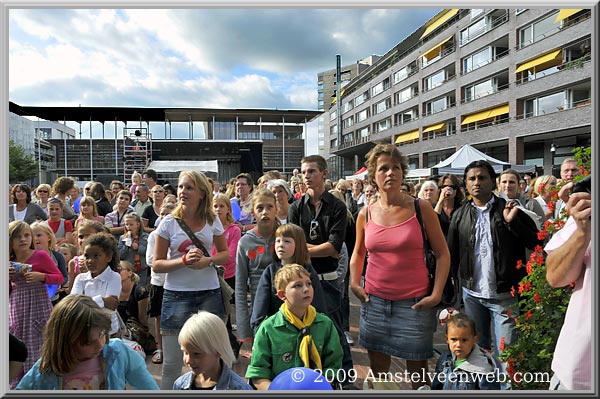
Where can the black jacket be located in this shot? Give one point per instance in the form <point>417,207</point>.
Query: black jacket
<point>509,240</point>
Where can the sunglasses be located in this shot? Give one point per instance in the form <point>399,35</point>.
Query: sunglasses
<point>313,234</point>
<point>452,187</point>
<point>42,191</point>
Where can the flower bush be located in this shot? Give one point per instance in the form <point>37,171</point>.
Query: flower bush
<point>542,308</point>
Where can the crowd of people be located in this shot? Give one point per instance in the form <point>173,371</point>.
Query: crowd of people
<point>86,267</point>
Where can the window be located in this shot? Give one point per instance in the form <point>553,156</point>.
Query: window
<point>473,31</point>
<point>545,105</point>
<point>475,12</point>
<point>380,87</point>
<point>333,130</point>
<point>333,143</point>
<point>480,89</point>
<point>364,132</point>
<point>382,106</point>
<point>348,106</point>
<point>446,129</point>
<point>477,60</point>
<point>320,86</point>
<point>348,138</point>
<point>332,116</point>
<point>362,115</point>
<point>321,104</point>
<point>537,31</point>
<point>436,105</point>
<point>383,125</point>
<point>361,98</point>
<point>405,95</point>
<point>346,123</point>
<point>405,72</point>
<point>407,116</point>
<point>435,80</point>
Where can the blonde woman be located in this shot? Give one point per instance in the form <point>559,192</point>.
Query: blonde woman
<point>42,193</point>
<point>542,189</point>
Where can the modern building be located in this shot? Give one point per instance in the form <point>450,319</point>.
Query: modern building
<point>514,83</point>
<point>248,140</point>
<point>327,94</point>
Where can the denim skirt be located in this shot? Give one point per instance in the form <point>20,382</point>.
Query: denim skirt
<point>393,328</point>
<point>178,306</point>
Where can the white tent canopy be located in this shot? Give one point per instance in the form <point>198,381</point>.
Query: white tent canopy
<point>456,163</point>
<point>360,174</point>
<point>178,166</point>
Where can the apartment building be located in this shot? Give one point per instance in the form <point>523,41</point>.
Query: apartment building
<point>514,83</point>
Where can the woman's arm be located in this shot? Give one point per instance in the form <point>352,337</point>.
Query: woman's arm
<point>436,239</point>
<point>160,263</point>
<point>358,257</point>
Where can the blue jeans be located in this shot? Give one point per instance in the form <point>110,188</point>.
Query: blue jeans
<point>492,321</point>
<point>178,306</point>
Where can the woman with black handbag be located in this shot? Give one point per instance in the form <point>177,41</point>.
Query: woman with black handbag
<point>398,310</point>
<point>191,280</point>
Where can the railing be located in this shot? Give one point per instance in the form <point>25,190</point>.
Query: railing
<point>484,63</point>
<point>408,99</point>
<point>448,106</point>
<point>577,63</point>
<point>487,28</point>
<point>553,31</point>
<point>486,93</point>
<point>475,125</point>
<point>408,121</point>
<point>575,104</point>
<point>360,140</point>
<point>448,79</point>
<point>443,53</point>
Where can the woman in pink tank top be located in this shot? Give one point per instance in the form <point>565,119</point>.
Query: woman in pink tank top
<point>398,306</point>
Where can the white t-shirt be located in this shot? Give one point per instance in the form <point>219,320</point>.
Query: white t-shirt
<point>187,279</point>
<point>155,278</point>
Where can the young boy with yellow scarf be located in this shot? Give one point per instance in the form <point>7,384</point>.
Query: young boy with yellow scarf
<point>296,336</point>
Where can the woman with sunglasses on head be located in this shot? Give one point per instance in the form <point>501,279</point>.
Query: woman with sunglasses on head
<point>450,199</point>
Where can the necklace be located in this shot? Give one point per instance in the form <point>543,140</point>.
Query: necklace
<point>391,207</point>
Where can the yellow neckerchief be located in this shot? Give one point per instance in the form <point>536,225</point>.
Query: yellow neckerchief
<point>308,351</point>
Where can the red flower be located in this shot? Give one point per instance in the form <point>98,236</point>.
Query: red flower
<point>509,313</point>
<point>542,234</point>
<point>538,249</point>
<point>513,292</point>
<point>529,268</point>
<point>502,344</point>
<point>528,315</point>
<point>539,259</point>
<point>551,206</point>
<point>519,264</point>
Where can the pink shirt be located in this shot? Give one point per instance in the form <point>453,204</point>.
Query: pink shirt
<point>232,235</point>
<point>396,268</point>
<point>572,361</point>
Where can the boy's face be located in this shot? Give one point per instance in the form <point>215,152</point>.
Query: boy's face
<point>461,341</point>
<point>298,294</point>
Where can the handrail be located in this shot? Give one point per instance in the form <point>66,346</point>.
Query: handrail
<point>448,106</point>
<point>487,93</point>
<point>555,30</point>
<point>487,28</point>
<point>576,63</point>
<point>486,62</point>
<point>575,104</point>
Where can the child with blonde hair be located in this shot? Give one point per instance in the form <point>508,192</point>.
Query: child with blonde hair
<point>207,352</point>
<point>77,354</point>
<point>88,211</point>
<point>136,180</point>
<point>133,244</point>
<point>305,337</point>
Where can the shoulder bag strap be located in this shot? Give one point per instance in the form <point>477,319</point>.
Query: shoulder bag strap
<point>192,236</point>
<point>420,219</point>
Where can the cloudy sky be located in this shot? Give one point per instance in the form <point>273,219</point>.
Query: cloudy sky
<point>222,58</point>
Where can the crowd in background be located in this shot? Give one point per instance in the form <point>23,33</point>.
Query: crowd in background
<point>130,247</point>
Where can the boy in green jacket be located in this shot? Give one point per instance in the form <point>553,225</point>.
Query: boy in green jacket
<point>296,336</point>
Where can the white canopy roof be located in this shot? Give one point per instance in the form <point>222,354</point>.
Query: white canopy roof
<point>456,163</point>
<point>178,166</point>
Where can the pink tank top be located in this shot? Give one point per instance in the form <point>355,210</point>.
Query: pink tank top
<point>396,268</point>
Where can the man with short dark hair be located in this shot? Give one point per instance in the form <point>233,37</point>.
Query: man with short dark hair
<point>115,187</point>
<point>150,178</point>
<point>486,238</point>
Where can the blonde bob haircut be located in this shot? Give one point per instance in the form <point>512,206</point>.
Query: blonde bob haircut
<point>296,233</point>
<point>225,199</point>
<point>46,229</point>
<point>288,273</point>
<point>205,208</point>
<point>541,182</point>
<point>206,332</point>
<point>88,200</point>
<point>70,322</point>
